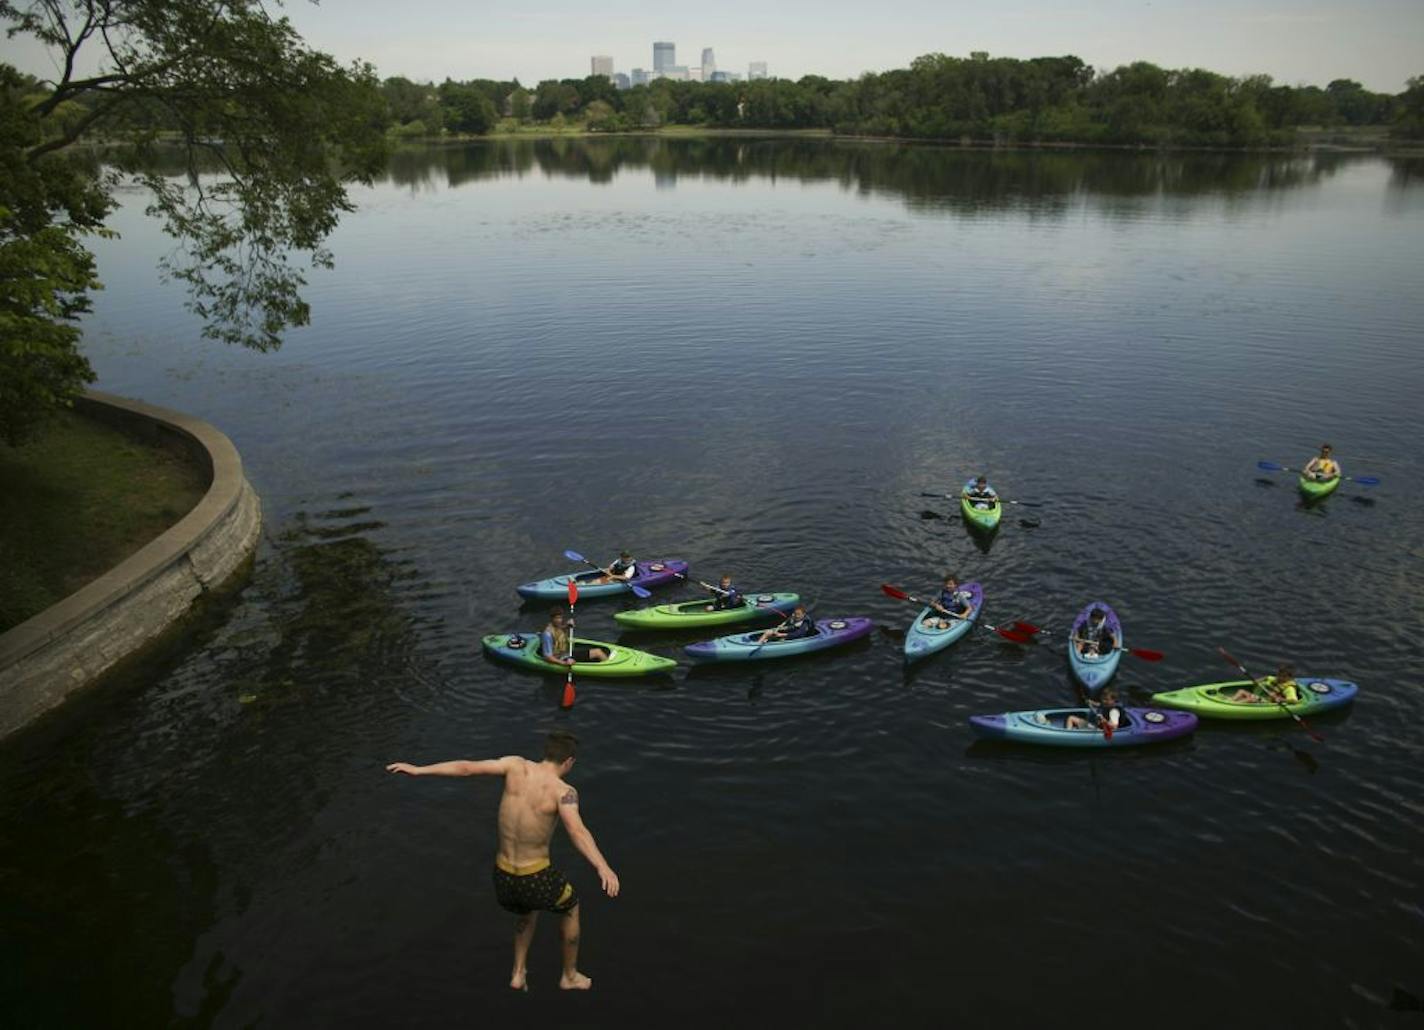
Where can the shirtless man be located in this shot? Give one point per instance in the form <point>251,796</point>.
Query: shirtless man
<point>524,881</point>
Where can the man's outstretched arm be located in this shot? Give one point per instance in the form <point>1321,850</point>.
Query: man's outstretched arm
<point>583,840</point>
<point>460,767</point>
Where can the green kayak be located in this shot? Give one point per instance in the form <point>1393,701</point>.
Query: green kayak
<point>523,649</point>
<point>980,514</point>
<point>1212,700</point>
<point>692,614</point>
<point>1314,489</point>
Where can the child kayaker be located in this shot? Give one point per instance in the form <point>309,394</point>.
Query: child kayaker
<point>621,571</point>
<point>980,493</point>
<point>1094,639</point>
<point>794,628</point>
<point>1322,466</point>
<point>953,605</point>
<point>1278,689</point>
<point>554,643</point>
<point>1105,713</point>
<point>725,596</point>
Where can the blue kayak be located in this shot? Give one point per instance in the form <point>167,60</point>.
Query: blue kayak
<point>1094,672</point>
<point>649,574</point>
<point>744,647</point>
<point>1048,726</point>
<point>922,641</point>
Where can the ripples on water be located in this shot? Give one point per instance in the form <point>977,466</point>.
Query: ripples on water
<point>790,342</point>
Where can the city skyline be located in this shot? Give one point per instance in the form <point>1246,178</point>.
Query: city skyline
<point>1379,43</point>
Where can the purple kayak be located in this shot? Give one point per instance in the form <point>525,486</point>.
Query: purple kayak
<point>1049,726</point>
<point>649,574</point>
<point>743,647</point>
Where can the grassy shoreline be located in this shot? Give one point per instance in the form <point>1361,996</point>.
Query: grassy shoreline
<point>76,502</point>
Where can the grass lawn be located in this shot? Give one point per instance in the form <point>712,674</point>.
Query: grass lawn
<point>76,502</point>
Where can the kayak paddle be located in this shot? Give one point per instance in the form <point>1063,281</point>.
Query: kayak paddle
<point>1146,654</point>
<point>575,556</point>
<point>955,497</point>
<point>1262,690</point>
<point>1271,466</point>
<point>568,698</point>
<point>1019,634</point>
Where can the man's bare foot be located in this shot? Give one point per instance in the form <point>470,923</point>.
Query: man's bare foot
<point>575,981</point>
<point>519,981</point>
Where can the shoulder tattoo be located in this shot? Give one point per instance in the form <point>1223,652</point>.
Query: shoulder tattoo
<point>570,797</point>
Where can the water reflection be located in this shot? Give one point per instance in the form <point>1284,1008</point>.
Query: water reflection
<point>926,176</point>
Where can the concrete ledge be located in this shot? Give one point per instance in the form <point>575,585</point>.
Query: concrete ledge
<point>74,642</point>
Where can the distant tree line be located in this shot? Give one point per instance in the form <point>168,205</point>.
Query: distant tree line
<point>1043,99</point>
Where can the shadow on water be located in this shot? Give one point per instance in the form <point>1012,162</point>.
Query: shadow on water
<point>134,847</point>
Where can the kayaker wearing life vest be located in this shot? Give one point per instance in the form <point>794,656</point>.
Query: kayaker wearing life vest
<point>554,643</point>
<point>951,602</point>
<point>1094,639</point>
<point>1322,466</point>
<point>621,571</point>
<point>725,596</point>
<point>981,494</point>
<point>794,628</point>
<point>1278,689</point>
<point>1108,712</point>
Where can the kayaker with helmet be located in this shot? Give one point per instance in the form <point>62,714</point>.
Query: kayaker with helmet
<point>1106,711</point>
<point>554,643</point>
<point>621,571</point>
<point>953,605</point>
<point>1322,467</point>
<point>1094,638</point>
<point>525,883</point>
<point>980,493</point>
<point>726,596</point>
<point>794,628</point>
<point>1278,689</point>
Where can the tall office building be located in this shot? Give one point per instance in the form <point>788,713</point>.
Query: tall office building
<point>709,64</point>
<point>602,65</point>
<point>620,81</point>
<point>664,56</point>
<point>639,77</point>
<point>756,70</point>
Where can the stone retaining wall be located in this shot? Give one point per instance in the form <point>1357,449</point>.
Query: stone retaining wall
<point>74,642</point>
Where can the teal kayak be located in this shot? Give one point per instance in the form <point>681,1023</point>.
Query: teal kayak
<point>523,649</point>
<point>691,614</point>
<point>1094,672</point>
<point>921,641</point>
<point>1048,726</point>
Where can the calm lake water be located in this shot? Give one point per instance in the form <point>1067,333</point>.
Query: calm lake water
<point>756,355</point>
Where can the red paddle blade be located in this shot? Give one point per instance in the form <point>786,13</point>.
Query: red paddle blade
<point>894,592</point>
<point>568,699</point>
<point>573,592</point>
<point>1107,731</point>
<point>1027,627</point>
<point>1146,655</point>
<point>1016,637</point>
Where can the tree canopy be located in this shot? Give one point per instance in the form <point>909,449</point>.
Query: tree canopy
<point>269,134</point>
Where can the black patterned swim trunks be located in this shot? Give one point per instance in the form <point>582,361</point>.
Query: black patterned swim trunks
<point>535,888</point>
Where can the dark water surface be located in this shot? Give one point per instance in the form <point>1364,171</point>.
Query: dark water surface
<point>756,355</point>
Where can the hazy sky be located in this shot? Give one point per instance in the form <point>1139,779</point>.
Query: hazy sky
<point>1378,42</point>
